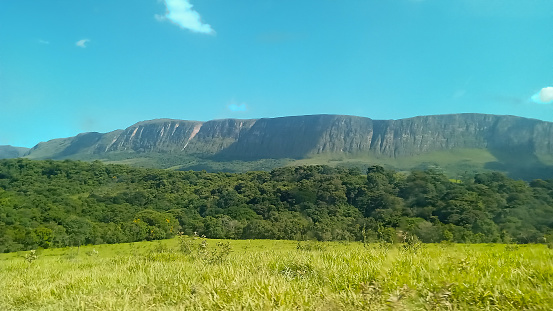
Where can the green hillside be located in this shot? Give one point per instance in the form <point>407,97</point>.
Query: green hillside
<point>8,152</point>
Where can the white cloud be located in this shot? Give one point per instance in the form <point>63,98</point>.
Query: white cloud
<point>43,41</point>
<point>82,43</point>
<point>544,96</point>
<point>180,12</point>
<point>237,107</point>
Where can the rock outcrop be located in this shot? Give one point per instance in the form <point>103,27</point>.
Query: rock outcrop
<point>302,136</point>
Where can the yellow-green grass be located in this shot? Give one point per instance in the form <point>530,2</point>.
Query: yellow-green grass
<point>132,161</point>
<point>279,275</point>
<point>455,158</point>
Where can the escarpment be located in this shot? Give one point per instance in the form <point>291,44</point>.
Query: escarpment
<point>297,137</point>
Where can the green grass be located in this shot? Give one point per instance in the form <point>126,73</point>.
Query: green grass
<point>279,275</point>
<point>453,162</point>
<point>174,161</point>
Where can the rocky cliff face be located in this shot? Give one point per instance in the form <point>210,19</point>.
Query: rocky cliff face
<point>166,135</point>
<point>297,137</point>
<point>301,136</point>
<point>155,135</point>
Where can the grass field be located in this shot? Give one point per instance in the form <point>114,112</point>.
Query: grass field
<point>196,274</point>
<point>453,162</point>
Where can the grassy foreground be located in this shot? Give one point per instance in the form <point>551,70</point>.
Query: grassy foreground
<point>186,274</point>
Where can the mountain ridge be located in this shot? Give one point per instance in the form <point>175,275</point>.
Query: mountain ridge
<point>505,137</point>
<point>7,151</point>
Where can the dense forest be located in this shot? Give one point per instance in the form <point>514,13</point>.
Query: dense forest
<point>69,203</point>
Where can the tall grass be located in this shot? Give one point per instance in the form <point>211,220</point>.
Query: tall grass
<point>279,275</point>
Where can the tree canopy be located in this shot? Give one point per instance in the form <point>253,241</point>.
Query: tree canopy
<point>69,203</point>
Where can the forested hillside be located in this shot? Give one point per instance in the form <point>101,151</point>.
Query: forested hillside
<point>60,203</point>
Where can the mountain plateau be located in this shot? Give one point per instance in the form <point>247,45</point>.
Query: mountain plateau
<point>459,142</point>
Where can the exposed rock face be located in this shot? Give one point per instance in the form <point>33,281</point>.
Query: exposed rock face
<point>7,152</point>
<point>180,136</point>
<point>155,135</point>
<point>300,136</point>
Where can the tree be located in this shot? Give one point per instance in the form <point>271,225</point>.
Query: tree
<point>78,230</point>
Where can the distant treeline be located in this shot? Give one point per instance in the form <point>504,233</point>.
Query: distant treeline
<point>68,203</point>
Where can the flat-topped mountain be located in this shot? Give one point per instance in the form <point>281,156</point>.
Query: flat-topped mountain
<point>503,140</point>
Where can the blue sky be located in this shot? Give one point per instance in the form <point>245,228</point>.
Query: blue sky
<point>75,66</point>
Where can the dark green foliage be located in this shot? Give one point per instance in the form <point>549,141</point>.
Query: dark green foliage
<point>69,203</point>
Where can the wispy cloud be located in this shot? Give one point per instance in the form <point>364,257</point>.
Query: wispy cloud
<point>458,94</point>
<point>43,41</point>
<point>544,96</point>
<point>180,12</point>
<point>237,107</point>
<point>82,43</point>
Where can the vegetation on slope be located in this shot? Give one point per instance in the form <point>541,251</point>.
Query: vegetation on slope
<point>454,163</point>
<point>63,203</point>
